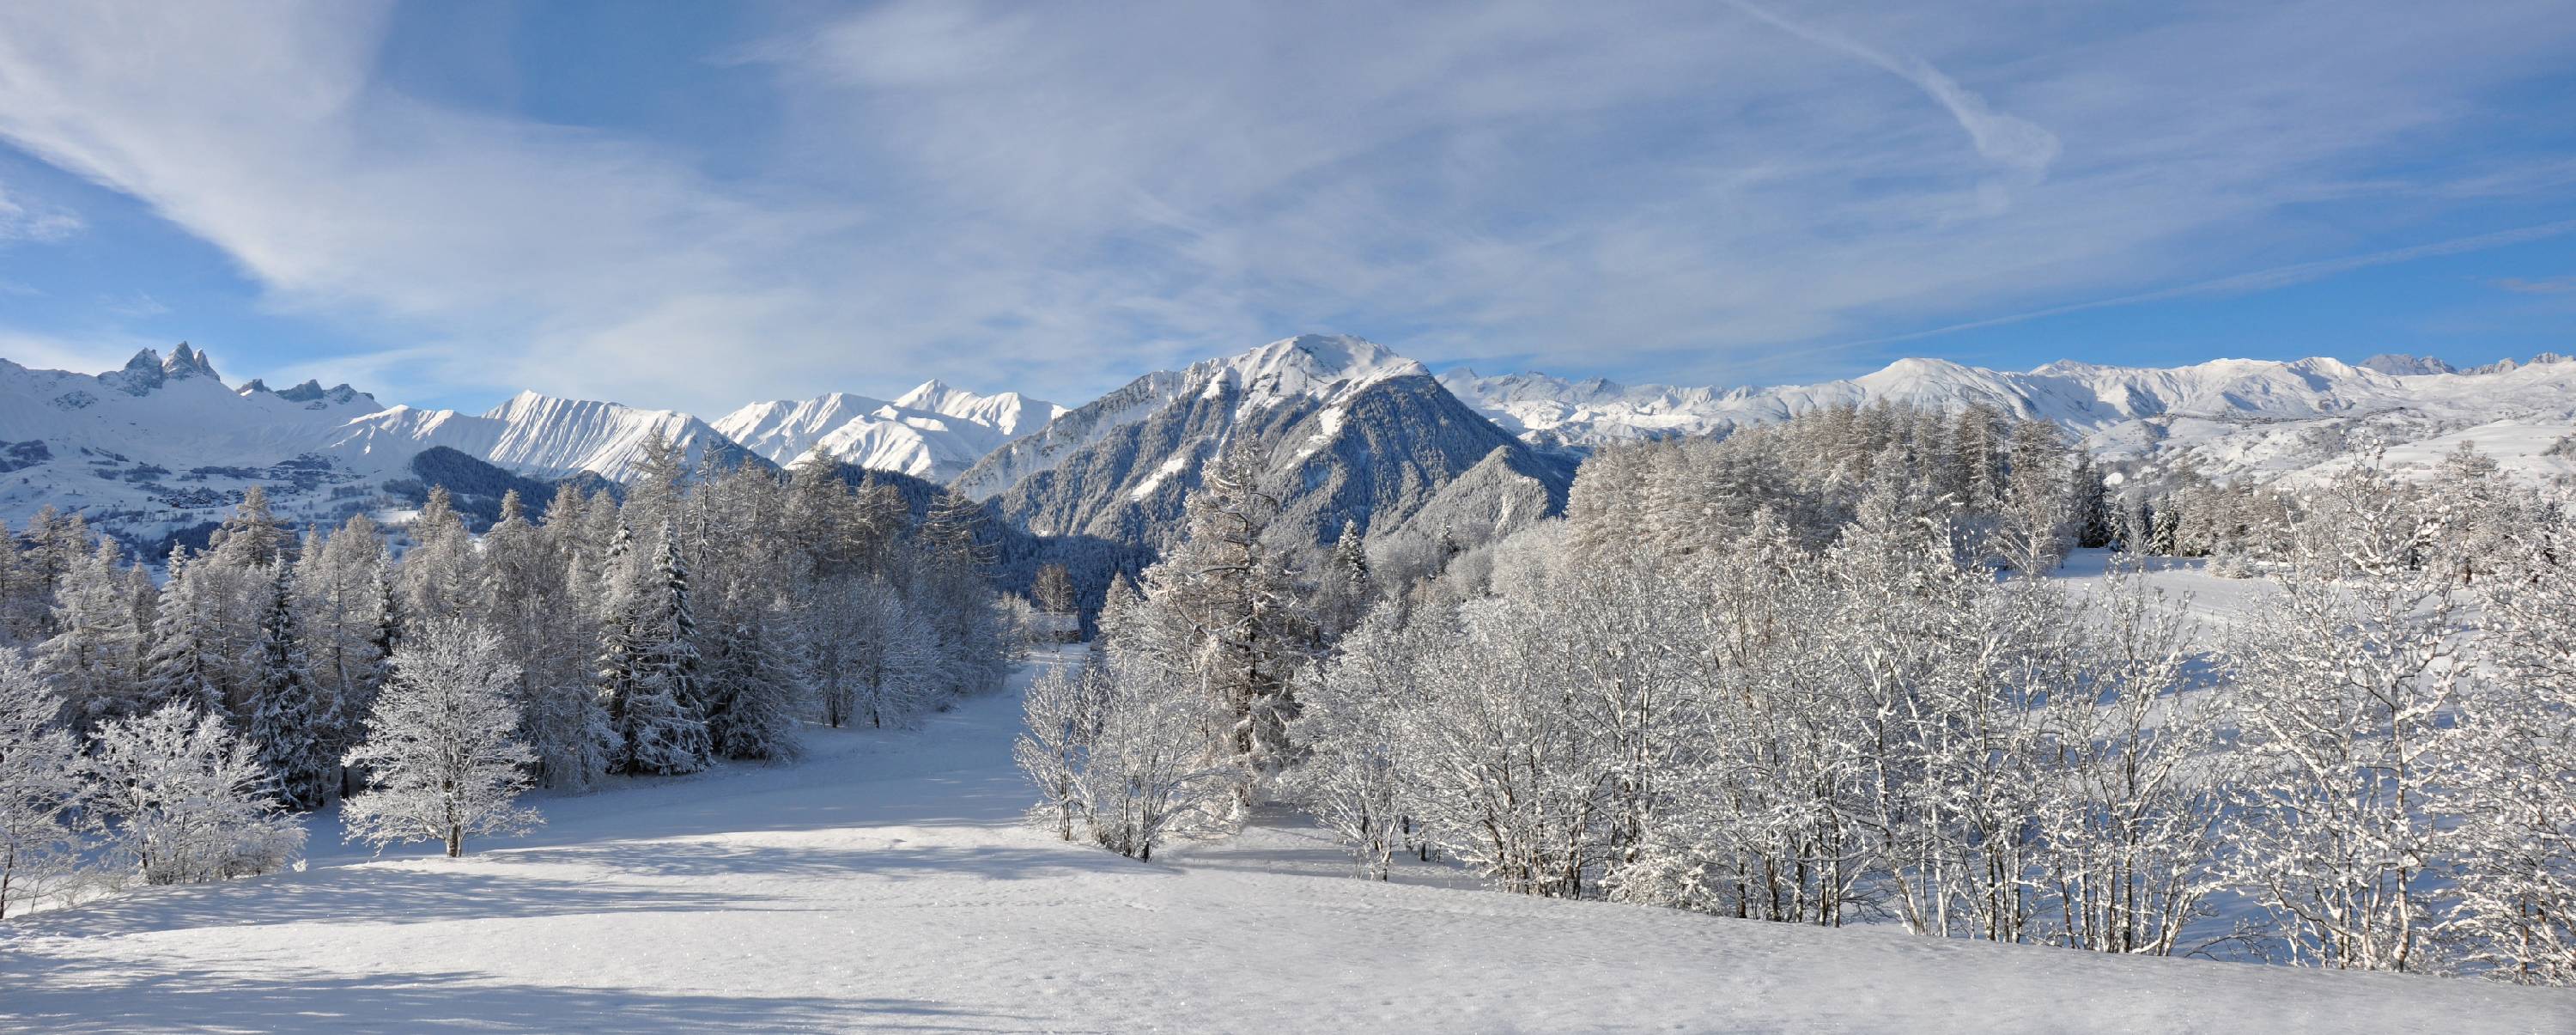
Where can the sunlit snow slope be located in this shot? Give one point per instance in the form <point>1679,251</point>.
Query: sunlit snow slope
<point>885,884</point>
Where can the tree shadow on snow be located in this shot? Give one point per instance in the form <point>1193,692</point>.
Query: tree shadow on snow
<point>372,894</point>
<point>57,995</point>
<point>885,861</point>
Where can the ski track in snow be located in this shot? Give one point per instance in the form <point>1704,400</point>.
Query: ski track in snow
<point>886,883</point>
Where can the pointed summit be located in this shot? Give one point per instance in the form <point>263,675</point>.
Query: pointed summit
<point>185,362</point>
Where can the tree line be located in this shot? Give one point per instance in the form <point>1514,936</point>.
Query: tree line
<point>697,615</point>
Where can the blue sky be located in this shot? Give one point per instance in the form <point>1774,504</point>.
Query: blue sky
<point>697,205</point>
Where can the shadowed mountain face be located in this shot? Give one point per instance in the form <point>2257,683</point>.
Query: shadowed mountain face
<point>1342,431</point>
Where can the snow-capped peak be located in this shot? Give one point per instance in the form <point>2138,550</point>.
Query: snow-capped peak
<point>934,431</point>
<point>1315,365</point>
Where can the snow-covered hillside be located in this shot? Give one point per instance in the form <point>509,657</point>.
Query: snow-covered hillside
<point>933,431</point>
<point>163,443</point>
<point>2228,417</point>
<point>886,883</point>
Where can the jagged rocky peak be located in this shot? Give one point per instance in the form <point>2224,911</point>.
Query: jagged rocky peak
<point>2402,365</point>
<point>185,362</point>
<point>311,391</point>
<point>149,369</point>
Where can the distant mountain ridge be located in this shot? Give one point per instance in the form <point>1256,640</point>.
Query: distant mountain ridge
<point>2226,417</point>
<point>933,431</point>
<point>1343,429</point>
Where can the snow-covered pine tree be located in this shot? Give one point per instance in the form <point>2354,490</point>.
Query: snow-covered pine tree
<point>2089,504</point>
<point>1343,592</point>
<point>754,693</point>
<point>440,746</point>
<point>21,599</point>
<point>2034,530</point>
<point>290,721</point>
<point>40,785</point>
<point>650,672</point>
<point>530,603</point>
<point>183,665</point>
<point>189,800</point>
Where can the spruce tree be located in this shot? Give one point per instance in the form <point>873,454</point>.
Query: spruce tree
<point>650,671</point>
<point>291,722</point>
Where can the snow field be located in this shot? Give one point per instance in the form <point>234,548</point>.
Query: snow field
<point>886,883</point>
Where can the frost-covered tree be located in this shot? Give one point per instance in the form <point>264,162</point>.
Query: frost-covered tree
<point>1147,777</point>
<point>184,801</point>
<point>532,602</point>
<point>1355,710</point>
<point>2130,824</point>
<point>252,537</point>
<point>437,574</point>
<point>40,785</point>
<point>1053,590</point>
<point>95,655</point>
<point>184,663</point>
<point>441,746</point>
<point>649,673</point>
<point>2342,682</point>
<point>2510,781</point>
<point>1061,720</point>
<point>290,722</point>
<point>1223,609</point>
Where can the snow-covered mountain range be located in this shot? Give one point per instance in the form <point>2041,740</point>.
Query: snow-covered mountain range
<point>2226,417</point>
<point>531,433</point>
<point>934,431</point>
<point>1343,429</point>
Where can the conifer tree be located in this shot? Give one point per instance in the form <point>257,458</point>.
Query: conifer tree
<point>290,721</point>
<point>183,665</point>
<point>650,672</point>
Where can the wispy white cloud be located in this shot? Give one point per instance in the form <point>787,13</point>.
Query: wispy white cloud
<point>2544,286</point>
<point>21,221</point>
<point>2005,139</point>
<point>1053,197</point>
